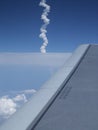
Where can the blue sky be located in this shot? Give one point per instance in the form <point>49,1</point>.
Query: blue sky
<point>72,23</point>
<point>19,71</point>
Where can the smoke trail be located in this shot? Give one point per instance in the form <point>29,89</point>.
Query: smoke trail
<point>44,26</point>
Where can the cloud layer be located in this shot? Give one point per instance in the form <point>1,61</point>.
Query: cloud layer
<point>37,59</point>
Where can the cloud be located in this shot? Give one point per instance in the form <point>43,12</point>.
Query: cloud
<point>9,104</point>
<point>34,59</point>
<point>20,97</point>
<point>43,28</point>
<point>26,92</point>
<point>29,91</point>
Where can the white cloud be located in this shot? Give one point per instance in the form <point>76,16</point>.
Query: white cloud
<point>29,91</point>
<point>7,106</point>
<point>48,59</point>
<point>20,97</point>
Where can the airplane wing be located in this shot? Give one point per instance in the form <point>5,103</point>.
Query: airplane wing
<point>68,101</point>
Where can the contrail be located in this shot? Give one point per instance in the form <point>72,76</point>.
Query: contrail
<point>44,26</point>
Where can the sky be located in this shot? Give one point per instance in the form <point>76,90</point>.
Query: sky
<point>28,70</point>
<point>22,74</point>
<point>23,69</point>
<point>71,23</point>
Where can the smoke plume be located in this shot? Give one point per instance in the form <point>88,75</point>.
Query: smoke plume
<point>44,26</point>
